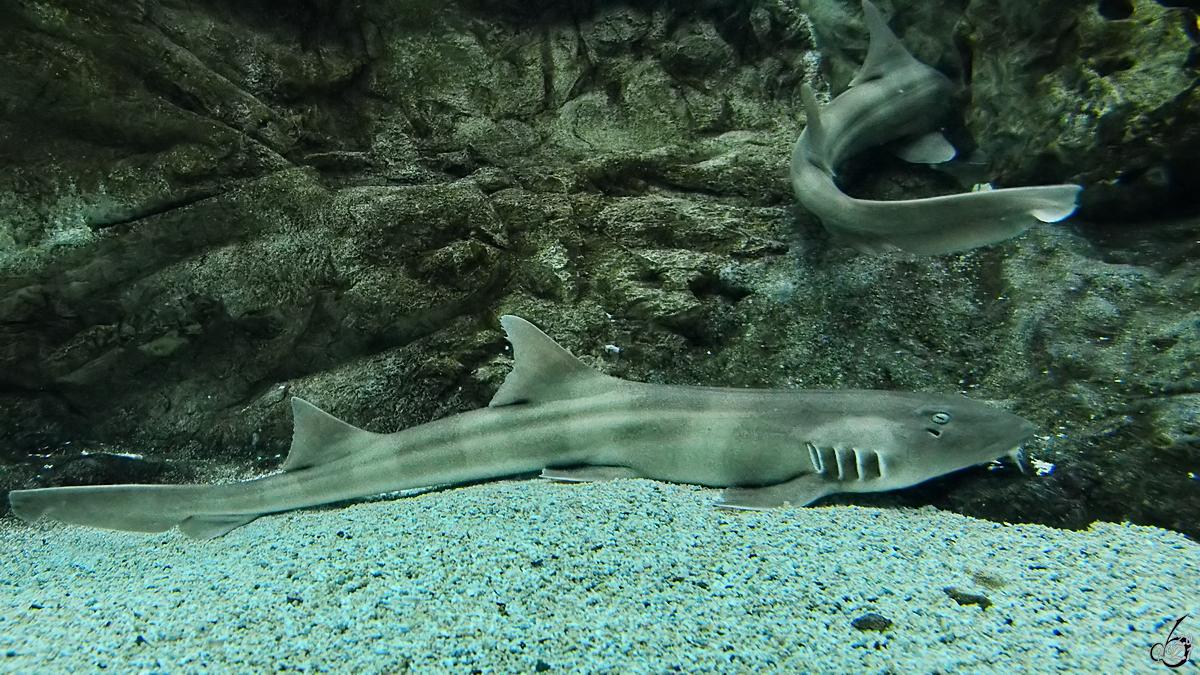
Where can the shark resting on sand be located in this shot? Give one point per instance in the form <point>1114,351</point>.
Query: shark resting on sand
<point>895,96</point>
<point>767,447</point>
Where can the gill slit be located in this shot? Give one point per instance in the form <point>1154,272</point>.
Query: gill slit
<point>846,463</point>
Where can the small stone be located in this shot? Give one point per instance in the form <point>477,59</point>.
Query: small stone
<point>872,621</point>
<point>967,598</point>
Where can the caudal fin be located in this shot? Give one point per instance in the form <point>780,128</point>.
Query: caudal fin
<point>199,511</point>
<point>133,508</point>
<point>954,223</point>
<point>129,508</point>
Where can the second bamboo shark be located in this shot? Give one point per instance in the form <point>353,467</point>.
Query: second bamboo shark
<point>895,96</point>
<point>767,447</point>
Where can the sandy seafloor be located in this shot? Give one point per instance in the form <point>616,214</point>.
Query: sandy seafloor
<point>631,576</point>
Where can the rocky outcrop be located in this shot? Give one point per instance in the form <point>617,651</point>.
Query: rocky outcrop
<point>208,209</point>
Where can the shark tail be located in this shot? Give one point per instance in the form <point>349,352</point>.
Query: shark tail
<point>131,508</point>
<point>199,511</point>
<point>954,223</point>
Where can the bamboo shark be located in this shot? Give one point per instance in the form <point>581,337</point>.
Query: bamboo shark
<point>896,96</point>
<point>553,413</point>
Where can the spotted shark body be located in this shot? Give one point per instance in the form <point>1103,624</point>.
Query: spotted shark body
<point>768,447</point>
<point>895,96</point>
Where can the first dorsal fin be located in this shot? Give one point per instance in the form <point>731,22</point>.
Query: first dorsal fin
<point>543,370</point>
<point>320,438</point>
<point>886,53</point>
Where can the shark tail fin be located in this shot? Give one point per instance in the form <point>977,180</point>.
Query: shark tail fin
<point>129,508</point>
<point>1056,202</point>
<point>132,508</point>
<point>953,223</point>
<point>318,438</point>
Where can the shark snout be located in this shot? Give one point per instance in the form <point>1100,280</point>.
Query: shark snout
<point>1012,432</point>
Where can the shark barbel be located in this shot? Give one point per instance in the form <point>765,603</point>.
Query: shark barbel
<point>769,447</point>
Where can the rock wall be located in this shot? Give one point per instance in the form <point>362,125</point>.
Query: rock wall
<point>204,208</point>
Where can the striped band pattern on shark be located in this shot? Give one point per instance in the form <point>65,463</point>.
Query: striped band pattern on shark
<point>767,447</point>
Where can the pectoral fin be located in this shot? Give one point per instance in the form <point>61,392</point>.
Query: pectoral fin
<point>930,148</point>
<point>588,474</point>
<point>800,491</point>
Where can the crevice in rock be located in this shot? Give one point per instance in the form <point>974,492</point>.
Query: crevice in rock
<point>1115,10</point>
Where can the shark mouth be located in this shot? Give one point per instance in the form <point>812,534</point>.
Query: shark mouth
<point>846,464</point>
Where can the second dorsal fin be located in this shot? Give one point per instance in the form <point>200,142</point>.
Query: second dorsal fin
<point>543,370</point>
<point>320,438</point>
<point>814,142</point>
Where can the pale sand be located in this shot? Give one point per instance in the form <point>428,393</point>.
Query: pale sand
<point>623,577</point>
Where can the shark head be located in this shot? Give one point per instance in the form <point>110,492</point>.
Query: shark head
<point>915,437</point>
<point>883,440</point>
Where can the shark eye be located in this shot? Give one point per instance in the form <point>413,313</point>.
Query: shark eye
<point>940,418</point>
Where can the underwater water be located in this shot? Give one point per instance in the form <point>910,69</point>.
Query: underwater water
<point>871,336</point>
